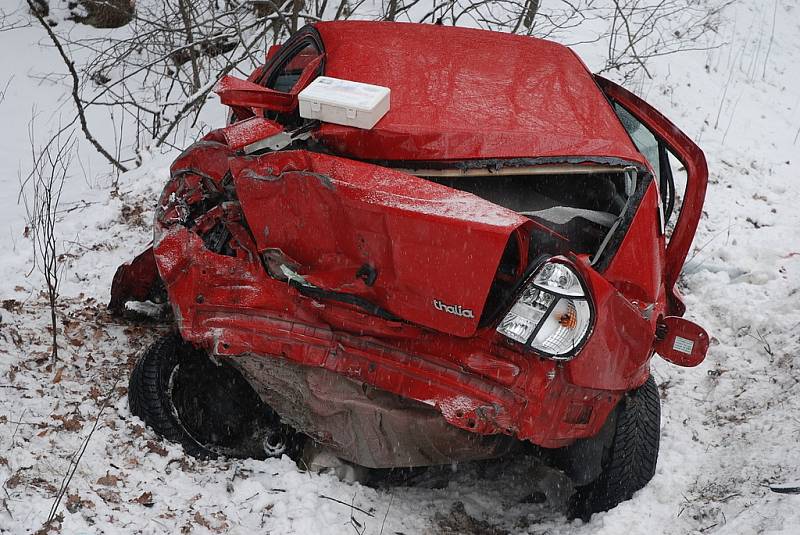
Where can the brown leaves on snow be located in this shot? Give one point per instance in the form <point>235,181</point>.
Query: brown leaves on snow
<point>217,523</point>
<point>108,480</point>
<point>155,447</point>
<point>146,499</point>
<point>76,503</point>
<point>69,423</point>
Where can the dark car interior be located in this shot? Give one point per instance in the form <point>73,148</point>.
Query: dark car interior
<point>581,207</point>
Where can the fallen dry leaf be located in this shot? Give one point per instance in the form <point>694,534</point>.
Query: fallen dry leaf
<point>146,499</point>
<point>75,503</point>
<point>108,495</point>
<point>109,480</point>
<point>13,481</point>
<point>41,483</point>
<point>72,424</point>
<point>154,447</point>
<point>12,305</point>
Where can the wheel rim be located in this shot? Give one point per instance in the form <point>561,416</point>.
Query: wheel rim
<point>218,411</point>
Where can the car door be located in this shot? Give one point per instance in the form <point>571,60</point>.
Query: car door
<point>658,138</point>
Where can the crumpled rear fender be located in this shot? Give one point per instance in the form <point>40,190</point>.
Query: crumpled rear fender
<point>617,353</point>
<point>207,162</point>
<point>136,280</point>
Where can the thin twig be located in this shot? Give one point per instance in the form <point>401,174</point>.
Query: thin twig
<point>383,524</point>
<point>14,434</point>
<point>76,458</point>
<point>347,505</point>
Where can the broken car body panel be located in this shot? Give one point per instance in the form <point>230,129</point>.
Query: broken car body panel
<point>425,253</point>
<point>398,282</point>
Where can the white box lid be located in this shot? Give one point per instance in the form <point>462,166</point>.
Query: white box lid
<point>344,93</point>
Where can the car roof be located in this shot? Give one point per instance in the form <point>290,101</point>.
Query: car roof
<point>465,94</point>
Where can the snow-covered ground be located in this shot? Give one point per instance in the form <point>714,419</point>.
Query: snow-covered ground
<point>730,427</point>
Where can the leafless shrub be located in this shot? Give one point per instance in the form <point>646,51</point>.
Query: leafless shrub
<point>41,195</point>
<point>158,70</point>
<point>79,106</point>
<point>528,17</point>
<point>641,30</point>
<point>632,31</point>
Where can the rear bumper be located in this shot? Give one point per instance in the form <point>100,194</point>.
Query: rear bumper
<point>552,414</point>
<point>229,307</point>
<point>529,399</point>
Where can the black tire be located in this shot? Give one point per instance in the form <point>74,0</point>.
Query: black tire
<point>207,408</point>
<point>148,391</point>
<point>629,463</point>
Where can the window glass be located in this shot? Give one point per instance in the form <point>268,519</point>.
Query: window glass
<point>285,77</point>
<point>679,179</point>
<point>643,138</point>
<point>669,171</point>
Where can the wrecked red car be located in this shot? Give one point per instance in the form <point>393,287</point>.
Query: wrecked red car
<point>486,269</point>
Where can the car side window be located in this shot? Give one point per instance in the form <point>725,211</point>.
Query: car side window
<point>642,137</point>
<point>659,157</point>
<point>285,77</point>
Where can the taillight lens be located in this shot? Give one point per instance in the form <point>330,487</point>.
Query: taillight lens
<point>552,316</point>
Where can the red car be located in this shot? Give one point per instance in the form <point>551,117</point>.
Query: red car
<point>486,270</point>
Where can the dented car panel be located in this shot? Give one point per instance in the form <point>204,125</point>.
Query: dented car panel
<point>424,252</point>
<point>326,256</point>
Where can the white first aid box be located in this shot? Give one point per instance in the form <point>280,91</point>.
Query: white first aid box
<point>333,100</point>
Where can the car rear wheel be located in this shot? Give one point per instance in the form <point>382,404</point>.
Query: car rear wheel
<point>629,462</point>
<point>210,409</point>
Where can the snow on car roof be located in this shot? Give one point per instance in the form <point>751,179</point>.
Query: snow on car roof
<point>460,94</point>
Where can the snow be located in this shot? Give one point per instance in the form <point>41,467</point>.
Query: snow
<point>730,427</point>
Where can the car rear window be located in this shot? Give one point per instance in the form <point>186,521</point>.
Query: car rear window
<point>285,77</point>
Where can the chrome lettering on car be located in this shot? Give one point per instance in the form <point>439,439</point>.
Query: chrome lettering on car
<point>456,310</point>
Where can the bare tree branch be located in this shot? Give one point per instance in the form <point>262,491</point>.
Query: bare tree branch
<point>75,88</point>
